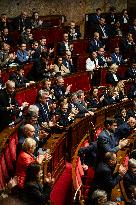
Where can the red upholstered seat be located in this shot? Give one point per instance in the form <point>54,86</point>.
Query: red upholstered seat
<point>30,95</point>
<point>80,46</point>
<point>20,97</point>
<point>81,63</point>
<point>27,68</point>
<point>2,182</point>
<point>71,80</point>
<point>83,82</point>
<point>103,76</point>
<point>97,132</point>
<point>5,76</point>
<point>8,160</point>
<point>4,167</point>
<point>60,194</point>
<point>12,146</point>
<point>125,161</point>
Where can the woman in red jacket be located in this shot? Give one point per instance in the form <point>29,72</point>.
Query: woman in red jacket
<point>25,158</point>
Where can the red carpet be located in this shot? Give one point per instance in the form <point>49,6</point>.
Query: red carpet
<point>62,191</point>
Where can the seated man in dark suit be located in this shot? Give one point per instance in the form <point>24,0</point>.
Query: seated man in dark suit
<point>65,45</point>
<point>9,108</point>
<point>117,58</point>
<point>133,196</point>
<point>94,20</point>
<point>74,33</point>
<point>6,38</point>
<point>106,142</point>
<point>68,62</point>
<point>124,130</point>
<point>132,91</point>
<point>43,105</point>
<point>131,73</point>
<point>132,28</point>
<point>111,76</point>
<point>22,21</point>
<point>59,89</point>
<point>95,44</point>
<point>104,30</point>
<point>130,177</point>
<point>128,46</point>
<point>19,78</point>
<point>105,178</point>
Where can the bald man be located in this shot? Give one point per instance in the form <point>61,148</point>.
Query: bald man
<point>28,132</point>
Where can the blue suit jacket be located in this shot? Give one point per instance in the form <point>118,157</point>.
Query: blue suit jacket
<point>44,114</point>
<point>118,59</point>
<point>106,142</point>
<point>105,179</point>
<point>94,46</point>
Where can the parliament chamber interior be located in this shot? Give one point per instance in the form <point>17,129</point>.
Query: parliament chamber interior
<point>68,102</point>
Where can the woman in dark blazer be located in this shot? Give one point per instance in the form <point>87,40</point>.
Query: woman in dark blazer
<point>34,192</point>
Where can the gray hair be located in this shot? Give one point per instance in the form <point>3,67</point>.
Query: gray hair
<point>79,93</point>
<point>33,109</point>
<point>110,203</point>
<point>42,92</point>
<point>97,194</point>
<point>132,163</point>
<point>28,144</point>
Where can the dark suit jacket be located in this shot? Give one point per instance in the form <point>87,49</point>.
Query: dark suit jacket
<point>20,24</point>
<point>61,48</point>
<point>8,39</point>
<point>69,66</point>
<point>106,142</point>
<point>20,81</point>
<point>35,194</point>
<point>123,131</point>
<point>59,91</point>
<point>78,35</point>
<point>44,114</point>
<point>118,59</point>
<point>94,46</point>
<point>110,79</point>
<point>128,180</point>
<point>81,108</point>
<point>131,73</point>
<point>7,116</point>
<point>105,179</point>
<point>132,92</point>
<point>106,29</point>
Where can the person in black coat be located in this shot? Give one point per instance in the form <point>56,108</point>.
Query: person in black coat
<point>125,129</point>
<point>59,89</point>
<point>105,178</point>
<point>95,44</point>
<point>65,45</point>
<point>34,192</point>
<point>130,177</point>
<point>74,32</point>
<point>22,21</point>
<point>19,78</point>
<point>6,38</point>
<point>132,91</point>
<point>131,72</point>
<point>43,105</point>
<point>106,141</point>
<point>112,76</point>
<point>8,105</point>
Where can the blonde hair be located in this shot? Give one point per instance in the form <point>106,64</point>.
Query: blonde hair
<point>28,144</point>
<point>119,87</point>
<point>113,67</point>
